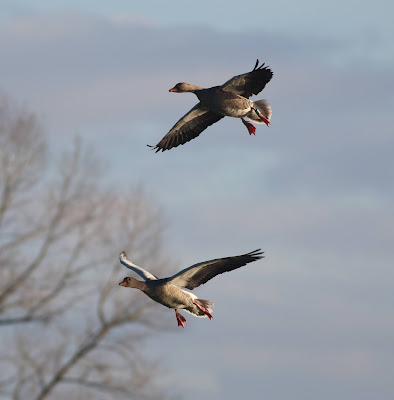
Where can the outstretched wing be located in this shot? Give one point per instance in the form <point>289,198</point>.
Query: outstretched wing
<point>147,276</point>
<point>187,128</point>
<point>201,273</point>
<point>250,83</point>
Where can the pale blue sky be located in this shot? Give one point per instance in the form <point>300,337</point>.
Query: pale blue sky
<point>314,319</point>
<point>335,18</point>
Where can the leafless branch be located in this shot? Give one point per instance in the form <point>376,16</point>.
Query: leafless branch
<point>60,236</point>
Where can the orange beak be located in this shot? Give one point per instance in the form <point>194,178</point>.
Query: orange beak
<point>174,89</point>
<point>123,283</point>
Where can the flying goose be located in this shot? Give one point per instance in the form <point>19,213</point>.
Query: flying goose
<point>231,99</point>
<point>169,292</point>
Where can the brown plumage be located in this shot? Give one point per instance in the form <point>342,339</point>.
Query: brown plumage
<point>169,292</point>
<point>230,99</point>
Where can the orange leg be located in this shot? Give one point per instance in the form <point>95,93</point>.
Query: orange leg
<point>180,318</point>
<point>204,310</point>
<point>251,128</point>
<point>265,120</point>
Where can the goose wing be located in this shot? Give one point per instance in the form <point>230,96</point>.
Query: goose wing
<point>252,82</point>
<point>147,276</point>
<point>188,127</point>
<point>201,273</point>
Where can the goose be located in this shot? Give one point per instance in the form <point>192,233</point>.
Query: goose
<point>169,292</point>
<point>230,99</point>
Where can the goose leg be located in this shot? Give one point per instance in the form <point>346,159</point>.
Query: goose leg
<point>204,310</point>
<point>251,128</point>
<point>180,318</point>
<point>261,116</point>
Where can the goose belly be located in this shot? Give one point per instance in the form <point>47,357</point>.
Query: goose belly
<point>236,112</point>
<point>226,103</point>
<point>236,108</point>
<point>170,296</point>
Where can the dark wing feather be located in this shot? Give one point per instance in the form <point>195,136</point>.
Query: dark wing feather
<point>201,273</point>
<point>250,83</point>
<point>187,128</point>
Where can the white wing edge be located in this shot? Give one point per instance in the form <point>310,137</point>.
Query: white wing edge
<point>139,270</point>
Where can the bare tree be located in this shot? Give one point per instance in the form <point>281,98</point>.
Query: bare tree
<point>60,236</point>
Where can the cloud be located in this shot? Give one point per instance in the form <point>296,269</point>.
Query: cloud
<point>99,64</point>
<point>313,190</point>
<point>86,72</point>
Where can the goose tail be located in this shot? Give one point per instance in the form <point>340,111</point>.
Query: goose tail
<point>264,107</point>
<point>207,305</point>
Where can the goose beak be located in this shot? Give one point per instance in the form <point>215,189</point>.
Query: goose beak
<point>123,283</point>
<point>174,89</point>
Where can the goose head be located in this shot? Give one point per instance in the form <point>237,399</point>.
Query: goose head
<point>184,87</point>
<point>128,281</point>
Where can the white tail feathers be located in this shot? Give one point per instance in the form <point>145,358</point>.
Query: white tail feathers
<point>265,109</point>
<point>208,304</point>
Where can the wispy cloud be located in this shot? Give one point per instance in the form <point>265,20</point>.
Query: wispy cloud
<point>314,190</point>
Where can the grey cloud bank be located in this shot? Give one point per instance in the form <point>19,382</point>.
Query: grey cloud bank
<point>314,190</point>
